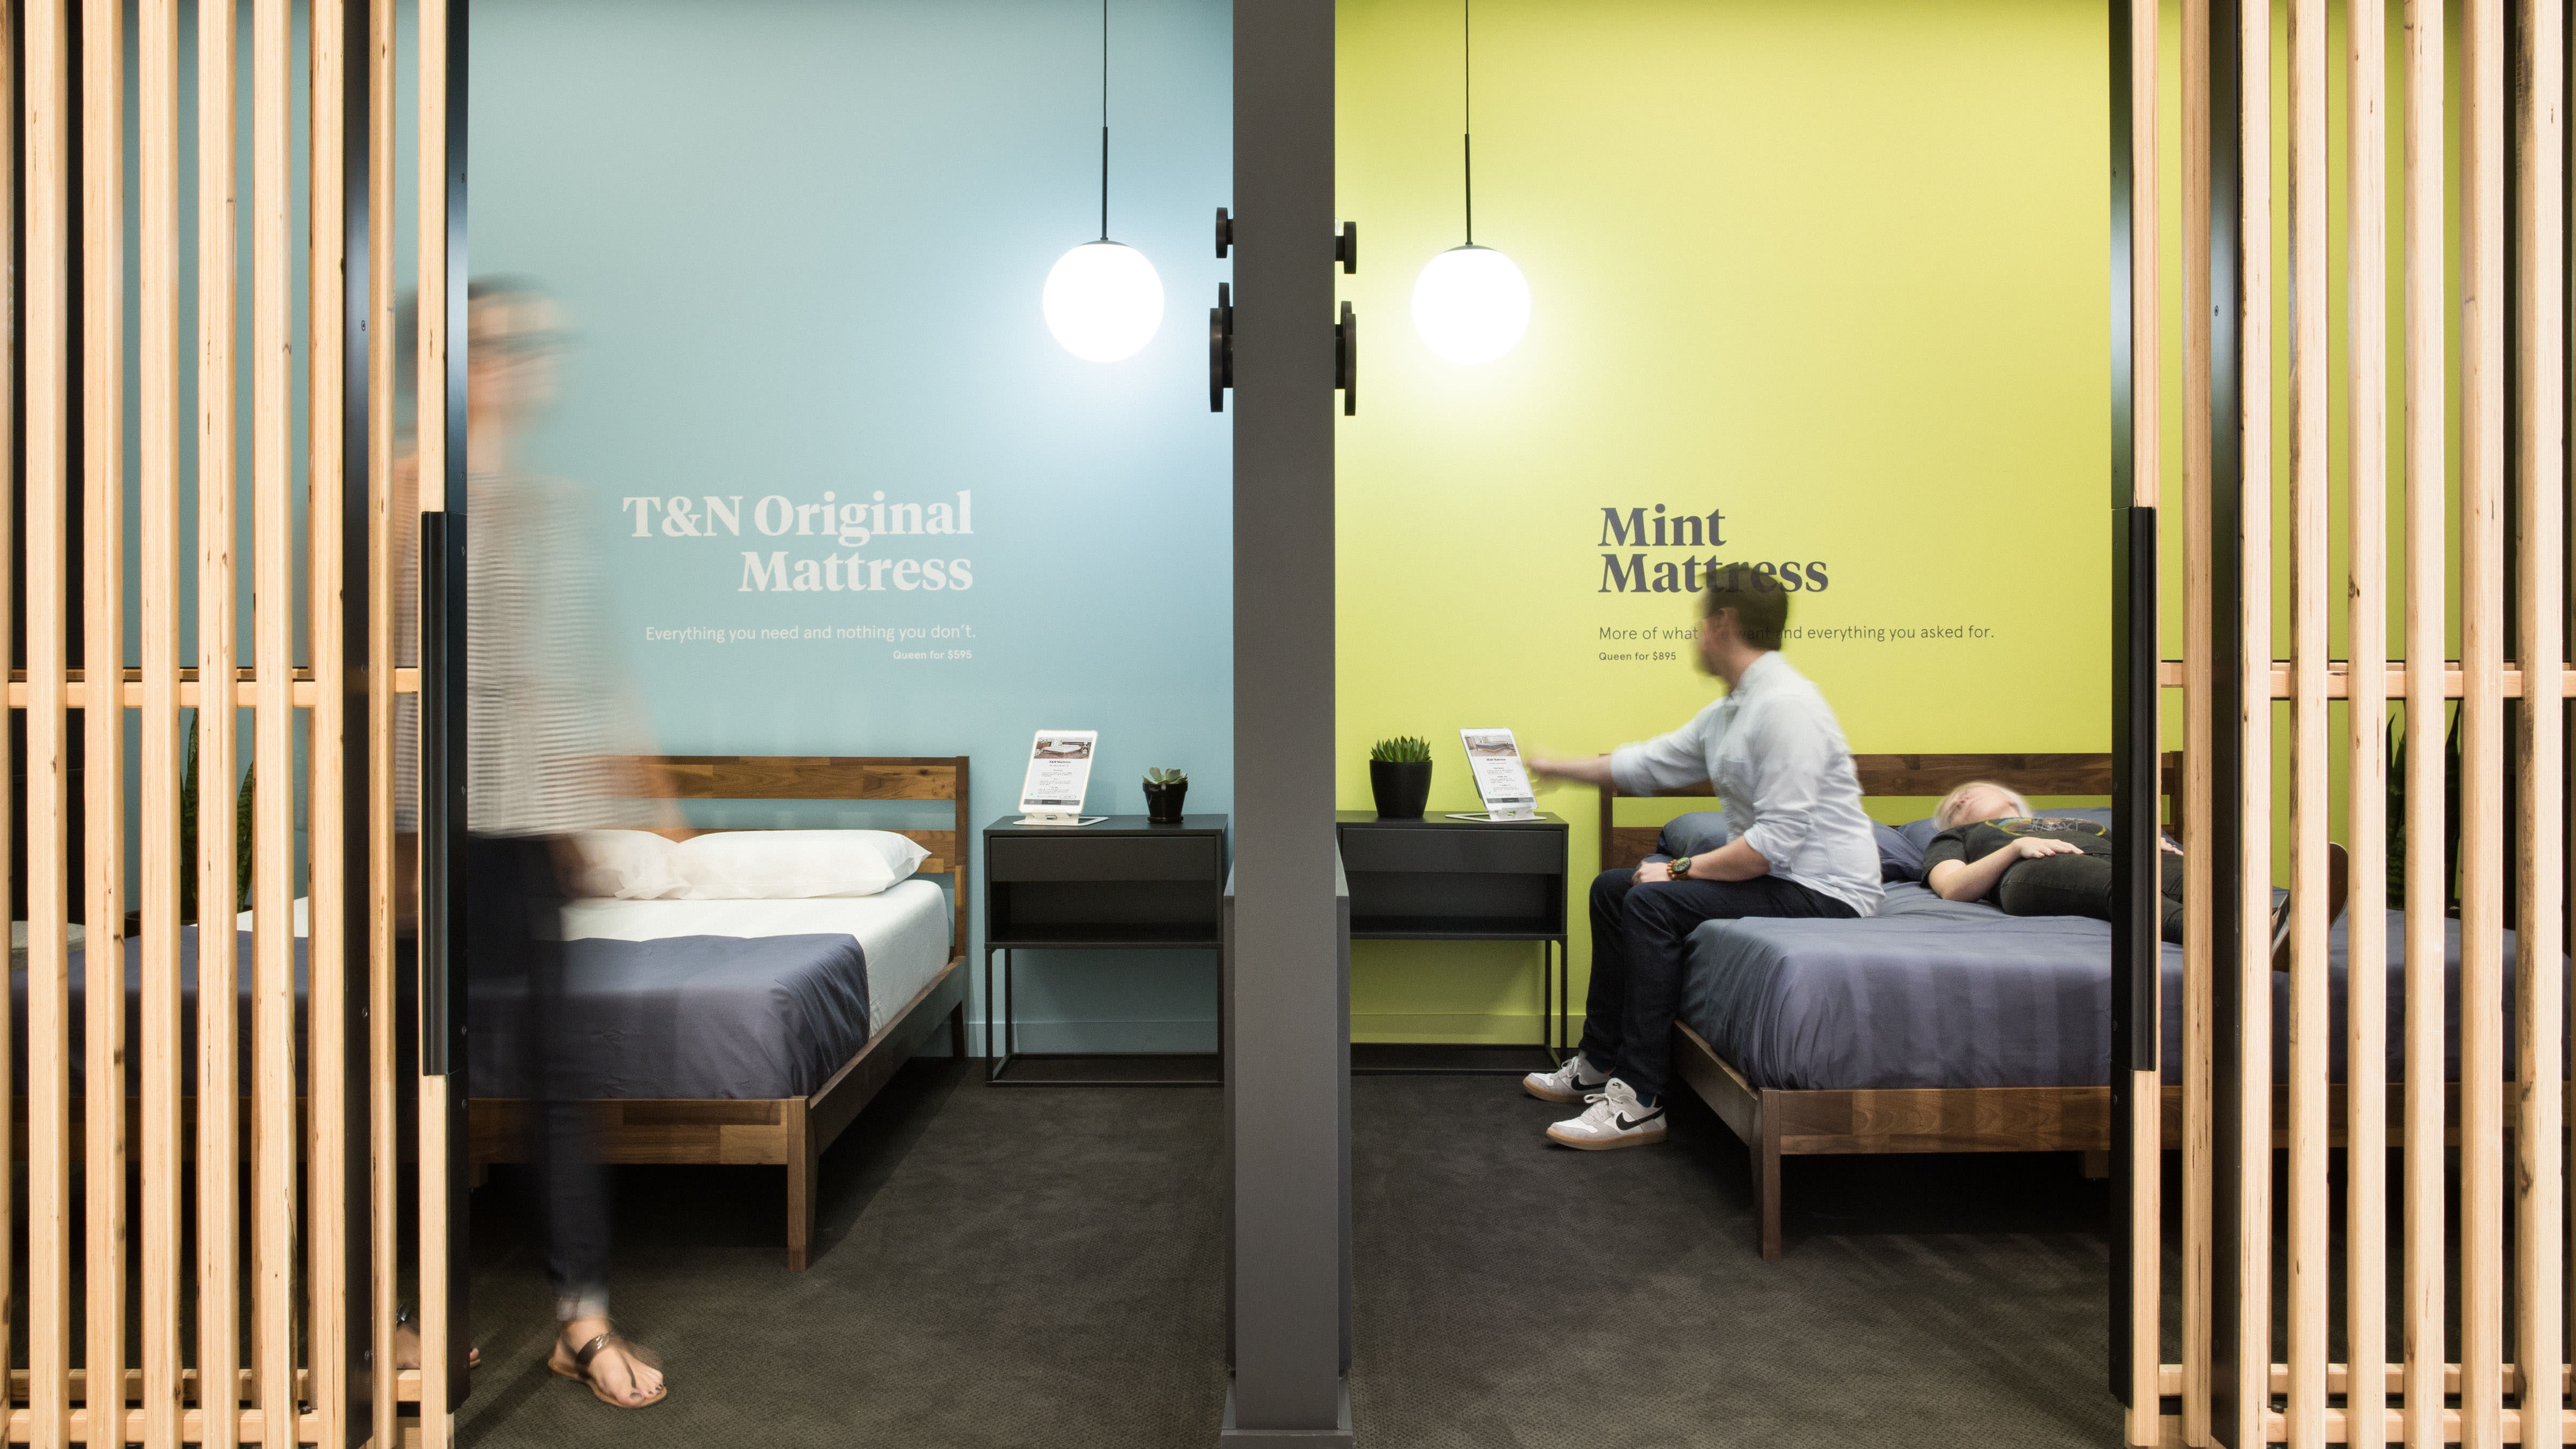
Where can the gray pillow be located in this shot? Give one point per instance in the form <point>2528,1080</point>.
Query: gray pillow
<point>1703,830</point>
<point>1899,858</point>
<point>1691,834</point>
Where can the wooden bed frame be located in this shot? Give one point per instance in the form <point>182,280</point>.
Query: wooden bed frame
<point>782,1131</point>
<point>1774,1124</point>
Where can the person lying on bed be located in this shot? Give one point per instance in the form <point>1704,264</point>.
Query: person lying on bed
<point>1991,847</point>
<point>1775,755</point>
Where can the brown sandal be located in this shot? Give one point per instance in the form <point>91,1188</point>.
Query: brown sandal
<point>577,1367</point>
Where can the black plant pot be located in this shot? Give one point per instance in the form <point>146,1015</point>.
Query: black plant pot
<point>1400,787</point>
<point>1163,802</point>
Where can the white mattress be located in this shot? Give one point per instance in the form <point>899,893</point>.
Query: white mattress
<point>904,931</point>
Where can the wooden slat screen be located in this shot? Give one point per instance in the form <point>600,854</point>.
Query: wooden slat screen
<point>2480,618</point>
<point>277,493</point>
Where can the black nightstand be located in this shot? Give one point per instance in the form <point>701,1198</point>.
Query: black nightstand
<point>1438,879</point>
<point>1124,884</point>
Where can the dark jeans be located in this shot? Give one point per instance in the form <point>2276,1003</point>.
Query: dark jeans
<point>513,934</point>
<point>1639,952</point>
<point>2079,885</point>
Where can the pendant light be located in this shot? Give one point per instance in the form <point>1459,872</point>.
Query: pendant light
<point>1471,304</point>
<point>1103,300</point>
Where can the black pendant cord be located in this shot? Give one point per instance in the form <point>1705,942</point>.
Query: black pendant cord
<point>1104,120</point>
<point>1467,136</point>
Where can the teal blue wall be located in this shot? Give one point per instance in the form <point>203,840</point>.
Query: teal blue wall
<point>801,243</point>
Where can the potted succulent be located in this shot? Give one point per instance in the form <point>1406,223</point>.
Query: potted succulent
<point>1400,777</point>
<point>1165,789</point>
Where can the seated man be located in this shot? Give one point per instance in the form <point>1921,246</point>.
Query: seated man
<point>1801,847</point>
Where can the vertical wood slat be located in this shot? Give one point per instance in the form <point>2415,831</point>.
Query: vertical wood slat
<point>47,299</point>
<point>2425,1268</point>
<point>2539,1199</point>
<point>219,1354</point>
<point>2199,739</point>
<point>273,722</point>
<point>157,78</point>
<point>2482,381</point>
<point>383,1096</point>
<point>2146,458</point>
<point>2311,371</point>
<point>327,947</point>
<point>437,1424</point>
<point>2251,1308</point>
<point>10,175</point>
<point>102,62</point>
<point>2366,1010</point>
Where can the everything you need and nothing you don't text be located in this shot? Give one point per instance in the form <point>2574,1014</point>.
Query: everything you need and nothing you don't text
<point>886,540</point>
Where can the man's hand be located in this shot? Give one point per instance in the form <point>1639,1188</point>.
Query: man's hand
<point>1581,769</point>
<point>1654,872</point>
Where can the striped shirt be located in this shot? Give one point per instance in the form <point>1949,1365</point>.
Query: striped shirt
<point>541,691</point>
<point>538,684</point>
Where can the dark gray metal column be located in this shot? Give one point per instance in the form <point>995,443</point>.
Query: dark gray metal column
<point>356,1407</point>
<point>2137,955</point>
<point>2228,646</point>
<point>1287,969</point>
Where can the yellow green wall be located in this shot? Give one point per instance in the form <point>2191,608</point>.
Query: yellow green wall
<point>1835,269</point>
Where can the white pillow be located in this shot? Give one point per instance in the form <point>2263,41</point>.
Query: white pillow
<point>627,865</point>
<point>770,865</point>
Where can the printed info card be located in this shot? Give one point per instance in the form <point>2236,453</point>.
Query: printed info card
<point>1495,760</point>
<point>1059,772</point>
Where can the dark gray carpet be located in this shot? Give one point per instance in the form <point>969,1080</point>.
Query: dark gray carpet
<point>1042,1267</point>
<point>994,1268</point>
<point>1514,1293</point>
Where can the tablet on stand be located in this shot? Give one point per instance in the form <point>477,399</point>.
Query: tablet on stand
<point>1059,775</point>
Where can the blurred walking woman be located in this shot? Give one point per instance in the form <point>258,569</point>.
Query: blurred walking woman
<point>541,723</point>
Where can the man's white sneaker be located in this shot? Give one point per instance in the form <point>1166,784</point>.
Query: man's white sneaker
<point>1615,1119</point>
<point>1569,1083</point>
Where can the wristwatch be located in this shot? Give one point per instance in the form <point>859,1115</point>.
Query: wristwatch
<point>1681,867</point>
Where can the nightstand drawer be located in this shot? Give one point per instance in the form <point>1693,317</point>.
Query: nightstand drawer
<point>1103,857</point>
<point>1367,850</point>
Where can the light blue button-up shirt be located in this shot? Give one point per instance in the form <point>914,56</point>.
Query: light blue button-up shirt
<point>1781,768</point>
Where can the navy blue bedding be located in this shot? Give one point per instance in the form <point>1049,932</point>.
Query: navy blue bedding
<point>767,1016</point>
<point>688,1016</point>
<point>1935,993</point>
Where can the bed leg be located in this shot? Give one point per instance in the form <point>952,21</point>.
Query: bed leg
<point>957,1031</point>
<point>1766,1176</point>
<point>800,1186</point>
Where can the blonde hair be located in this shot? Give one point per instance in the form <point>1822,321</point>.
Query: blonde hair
<point>1941,814</point>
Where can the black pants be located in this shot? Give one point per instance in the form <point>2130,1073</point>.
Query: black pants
<point>1639,952</point>
<point>2079,885</point>
<point>513,939</point>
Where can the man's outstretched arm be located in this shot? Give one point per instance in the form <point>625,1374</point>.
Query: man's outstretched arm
<point>1582,769</point>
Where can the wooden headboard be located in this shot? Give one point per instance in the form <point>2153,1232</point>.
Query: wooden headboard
<point>827,777</point>
<point>1623,846</point>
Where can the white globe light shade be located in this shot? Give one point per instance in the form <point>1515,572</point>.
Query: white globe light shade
<point>1471,304</point>
<point>1103,301</point>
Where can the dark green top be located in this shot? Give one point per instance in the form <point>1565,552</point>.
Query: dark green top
<point>1965,843</point>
